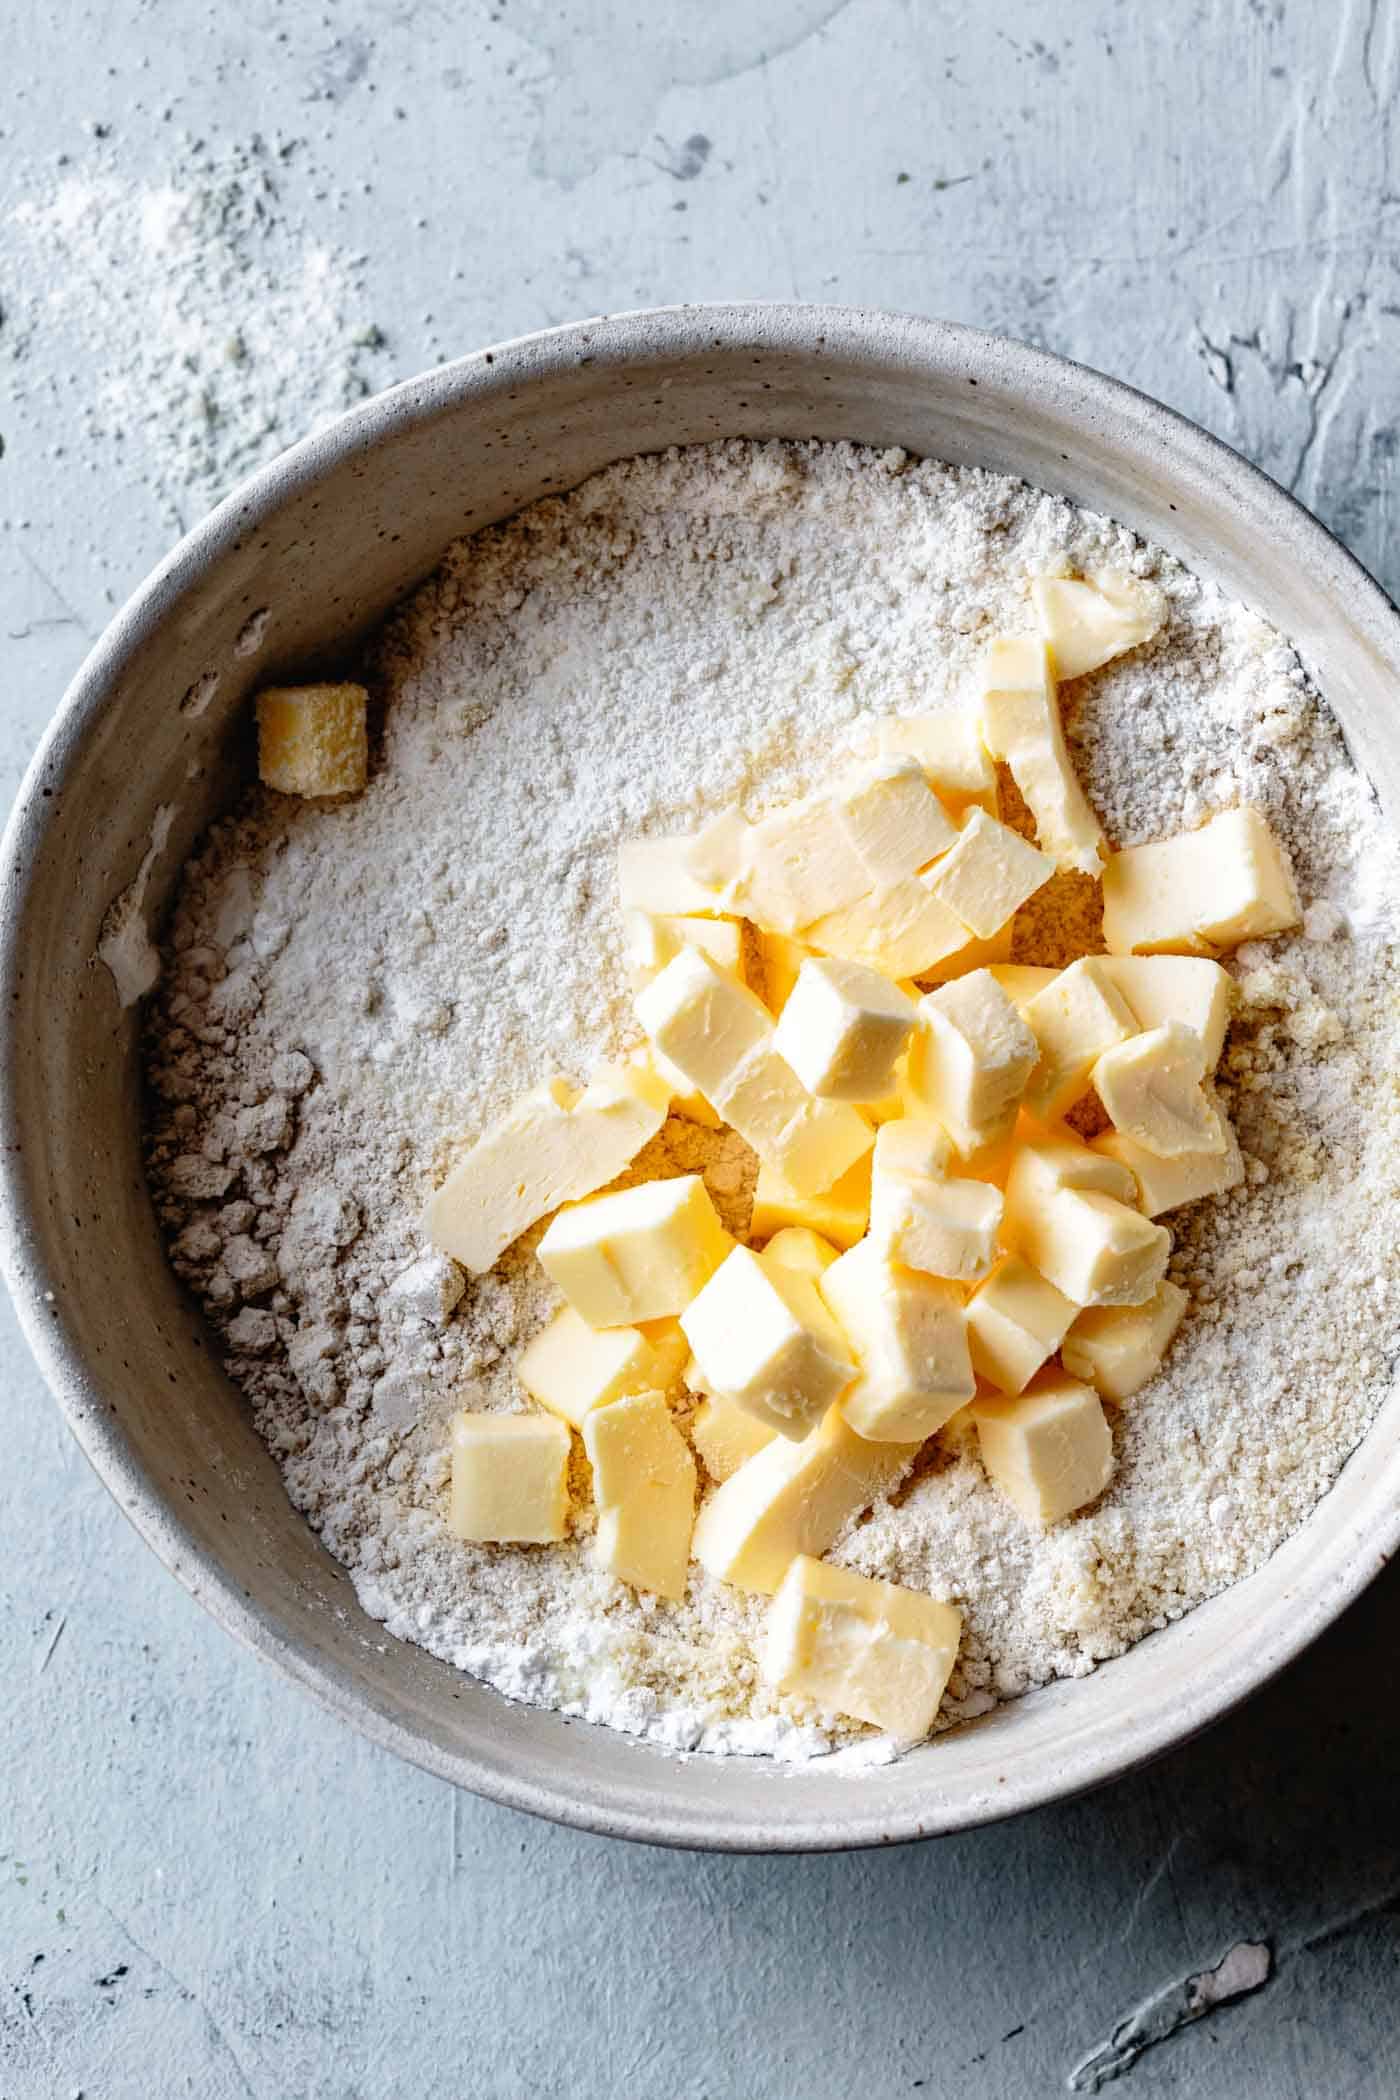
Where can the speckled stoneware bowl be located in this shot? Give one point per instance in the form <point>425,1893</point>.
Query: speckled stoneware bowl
<point>150,743</point>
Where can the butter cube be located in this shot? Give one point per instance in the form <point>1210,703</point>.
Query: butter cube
<point>1165,1184</point>
<point>726,1434</point>
<point>509,1479</point>
<point>1151,1088</point>
<point>702,1020</point>
<point>555,1145</point>
<point>1117,1348</point>
<point>1074,1019</point>
<point>651,941</point>
<point>951,752</point>
<point>973,955</point>
<point>793,1498</point>
<point>1087,624</point>
<point>1049,1449</point>
<point>763,1337</point>
<point>840,1214</point>
<point>654,876</point>
<point>1201,890</point>
<point>1186,988</point>
<point>781,957</point>
<point>904,931</point>
<point>644,1488</point>
<point>1015,1321</point>
<point>1091,1247</point>
<point>912,1145</point>
<point>798,1248</point>
<point>843,1028</point>
<point>969,1060</point>
<point>312,739</point>
<point>987,875</point>
<point>1042,1165</point>
<point>1021,982</point>
<point>924,1220</point>
<point>800,865</point>
<point>571,1368</point>
<point>892,818</point>
<point>639,1254</point>
<point>908,1333</point>
<point>874,1650</point>
<point>1020,720</point>
<point>809,1144</point>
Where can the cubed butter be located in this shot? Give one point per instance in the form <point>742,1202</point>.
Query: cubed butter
<point>843,1028</point>
<point>1048,1449</point>
<point>973,955</point>
<point>1093,1248</point>
<point>908,1333</point>
<point>1165,1184</point>
<point>1087,624</point>
<point>651,941</point>
<point>654,876</point>
<point>809,1144</point>
<point>509,1479</point>
<point>969,1060</point>
<point>1201,890</point>
<point>904,931</point>
<point>555,1145</point>
<point>892,818</point>
<point>840,1214</point>
<point>925,1220</point>
<point>987,875</point>
<point>799,864</point>
<point>571,1368</point>
<point>726,1434</point>
<point>951,752</point>
<point>1021,982</point>
<point>1043,1164</point>
<point>1016,1320</point>
<point>644,1488</point>
<point>1020,720</point>
<point>1074,1019</point>
<point>1151,1087</point>
<point>639,1254</point>
<point>1117,1348</point>
<point>763,1337</point>
<point>793,1498</point>
<point>796,1247</point>
<point>702,1020</point>
<point>781,958</point>
<point>313,739</point>
<point>874,1650</point>
<point>1187,988</point>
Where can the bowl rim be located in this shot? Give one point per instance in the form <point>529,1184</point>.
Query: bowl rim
<point>940,348</point>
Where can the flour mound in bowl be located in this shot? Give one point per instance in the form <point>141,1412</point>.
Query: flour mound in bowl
<point>350,992</point>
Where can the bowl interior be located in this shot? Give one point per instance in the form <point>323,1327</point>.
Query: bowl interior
<point>310,553</point>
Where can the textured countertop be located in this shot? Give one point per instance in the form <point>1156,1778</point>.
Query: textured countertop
<point>208,1886</point>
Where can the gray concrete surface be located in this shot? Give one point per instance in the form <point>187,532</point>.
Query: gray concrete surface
<point>205,1885</point>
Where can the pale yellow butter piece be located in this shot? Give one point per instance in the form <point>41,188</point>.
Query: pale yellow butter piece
<point>1087,624</point>
<point>921,1218</point>
<point>874,1650</point>
<point>555,1145</point>
<point>1117,1348</point>
<point>1201,890</point>
<point>781,957</point>
<point>1020,720</point>
<point>726,1434</point>
<point>654,876</point>
<point>1165,1184</point>
<point>908,1333</point>
<point>840,1214</point>
<point>809,1144</point>
<point>892,818</point>
<point>702,1020</point>
<point>904,931</point>
<point>763,1337</point>
<point>639,1254</point>
<point>313,739</point>
<point>1021,982</point>
<point>1015,1321</point>
<point>1093,1248</point>
<point>509,1479</point>
<point>800,865</point>
<point>650,941</point>
<point>843,1028</point>
<point>686,1100</point>
<point>571,1368</point>
<point>644,1489</point>
<point>1048,1450</point>
<point>969,1060</point>
<point>793,1498</point>
<point>798,1247</point>
<point>951,752</point>
<point>717,856</point>
<point>987,875</point>
<point>1187,988</point>
<point>1042,1164</point>
<point>1151,1087</point>
<point>1074,1019</point>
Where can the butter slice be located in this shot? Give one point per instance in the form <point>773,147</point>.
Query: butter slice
<point>843,1028</point>
<point>840,1214</point>
<point>793,1498</point>
<point>654,876</point>
<point>1186,988</point>
<point>987,875</point>
<point>1200,890</point>
<point>1048,1450</point>
<point>572,1368</point>
<point>1117,1348</point>
<point>904,931</point>
<point>555,1145</point>
<point>908,1333</point>
<point>921,1218</point>
<point>639,1254</point>
<point>951,752</point>
<point>1165,1184</point>
<point>1151,1088</point>
<point>313,739</point>
<point>1016,1320</point>
<point>1088,624</point>
<point>892,818</point>
<point>763,1337</point>
<point>969,1060</point>
<point>509,1479</point>
<point>726,1434</point>
<point>1074,1020</point>
<point>644,1487</point>
<point>1021,725</point>
<point>874,1650</point>
<point>797,1247</point>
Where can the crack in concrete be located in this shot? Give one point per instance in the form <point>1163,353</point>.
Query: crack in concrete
<point>1245,1968</point>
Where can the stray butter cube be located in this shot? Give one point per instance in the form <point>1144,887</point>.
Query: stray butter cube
<point>1200,890</point>
<point>874,1650</point>
<point>793,1498</point>
<point>763,1337</point>
<point>969,1060</point>
<point>1080,1014</point>
<point>840,1214</point>
<point>644,1487</point>
<point>1165,1184</point>
<point>922,1219</point>
<point>843,1028</point>
<point>312,739</point>
<point>951,752</point>
<point>797,1247</point>
<point>1117,1348</point>
<point>893,819</point>
<point>903,931</point>
<point>572,1368</point>
<point>1048,1449</point>
<point>1151,1088</point>
<point>1087,624</point>
<point>1186,988</point>
<point>726,1434</point>
<point>654,876</point>
<point>1015,1321</point>
<point>509,1479</point>
<point>1021,725</point>
<point>638,1254</point>
<point>987,875</point>
<point>555,1145</point>
<point>908,1332</point>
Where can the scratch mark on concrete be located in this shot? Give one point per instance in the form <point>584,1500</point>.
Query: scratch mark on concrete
<point>66,607</point>
<point>1245,1968</point>
<point>54,1640</point>
<point>191,1996</point>
<point>1340,1928</point>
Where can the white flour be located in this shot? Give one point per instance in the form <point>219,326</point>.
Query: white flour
<point>352,993</point>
